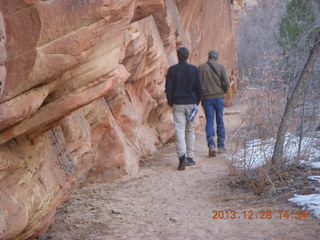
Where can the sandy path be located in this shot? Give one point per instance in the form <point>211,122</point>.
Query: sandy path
<point>162,203</point>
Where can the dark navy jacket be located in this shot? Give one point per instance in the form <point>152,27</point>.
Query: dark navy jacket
<point>183,85</point>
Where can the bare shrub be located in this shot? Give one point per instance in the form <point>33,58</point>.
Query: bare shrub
<point>265,73</point>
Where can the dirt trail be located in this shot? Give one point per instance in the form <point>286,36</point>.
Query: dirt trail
<point>160,202</point>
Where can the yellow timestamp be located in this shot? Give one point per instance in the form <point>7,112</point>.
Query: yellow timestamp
<point>262,214</point>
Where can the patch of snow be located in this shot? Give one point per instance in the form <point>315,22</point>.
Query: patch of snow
<point>314,178</point>
<point>258,151</point>
<point>309,202</point>
<point>251,3</point>
<point>309,147</point>
<point>255,154</point>
<point>316,189</point>
<point>311,164</point>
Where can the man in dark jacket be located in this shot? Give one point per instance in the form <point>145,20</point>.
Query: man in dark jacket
<point>216,83</point>
<point>184,91</point>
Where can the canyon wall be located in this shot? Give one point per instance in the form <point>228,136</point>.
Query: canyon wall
<point>82,92</point>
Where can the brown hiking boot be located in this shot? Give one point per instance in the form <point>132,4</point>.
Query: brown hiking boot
<point>212,152</point>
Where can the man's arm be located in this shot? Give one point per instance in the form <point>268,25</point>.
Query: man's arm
<point>225,79</point>
<point>200,69</point>
<point>199,86</point>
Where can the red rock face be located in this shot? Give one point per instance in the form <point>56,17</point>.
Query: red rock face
<point>82,92</point>
<point>3,53</point>
<point>209,25</point>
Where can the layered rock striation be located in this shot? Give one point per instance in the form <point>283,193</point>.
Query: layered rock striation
<point>82,92</point>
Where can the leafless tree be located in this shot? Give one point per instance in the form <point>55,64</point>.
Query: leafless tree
<point>297,92</point>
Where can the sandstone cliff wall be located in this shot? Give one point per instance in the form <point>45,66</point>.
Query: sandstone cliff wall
<point>82,92</point>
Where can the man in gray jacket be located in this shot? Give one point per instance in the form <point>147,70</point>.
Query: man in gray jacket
<point>216,83</point>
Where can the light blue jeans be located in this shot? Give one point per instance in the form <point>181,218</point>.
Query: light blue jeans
<point>214,108</point>
<point>185,137</point>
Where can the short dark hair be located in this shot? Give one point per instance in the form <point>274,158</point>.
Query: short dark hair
<point>183,54</point>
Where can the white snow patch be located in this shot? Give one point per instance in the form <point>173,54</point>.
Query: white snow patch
<point>258,151</point>
<point>314,178</point>
<point>309,202</point>
<point>311,164</point>
<point>251,3</point>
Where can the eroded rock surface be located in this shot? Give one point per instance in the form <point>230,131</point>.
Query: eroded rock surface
<point>82,92</point>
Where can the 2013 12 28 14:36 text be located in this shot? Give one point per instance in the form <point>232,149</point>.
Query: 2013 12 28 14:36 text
<point>262,214</point>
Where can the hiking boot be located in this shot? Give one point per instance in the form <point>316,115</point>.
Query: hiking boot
<point>190,161</point>
<point>221,150</point>
<point>182,162</point>
<point>212,152</point>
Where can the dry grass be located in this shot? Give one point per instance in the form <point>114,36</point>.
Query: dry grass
<point>260,121</point>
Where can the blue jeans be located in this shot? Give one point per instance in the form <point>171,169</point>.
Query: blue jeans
<point>214,106</point>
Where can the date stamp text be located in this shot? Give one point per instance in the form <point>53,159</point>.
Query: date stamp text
<point>261,214</point>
